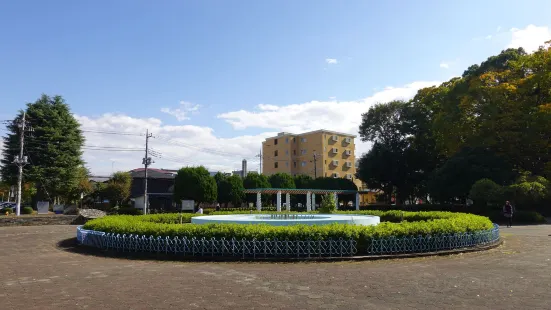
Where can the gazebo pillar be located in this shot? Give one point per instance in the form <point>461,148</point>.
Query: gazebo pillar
<point>357,201</point>
<point>313,202</point>
<point>278,201</point>
<point>336,201</point>
<point>288,202</point>
<point>258,202</point>
<point>308,205</point>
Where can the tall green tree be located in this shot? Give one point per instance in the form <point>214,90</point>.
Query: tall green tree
<point>118,188</point>
<point>230,190</point>
<point>53,149</point>
<point>281,180</point>
<point>254,180</point>
<point>195,183</point>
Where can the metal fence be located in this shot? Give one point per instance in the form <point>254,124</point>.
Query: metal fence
<point>283,248</point>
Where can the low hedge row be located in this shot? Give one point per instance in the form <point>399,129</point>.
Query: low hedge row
<point>414,224</point>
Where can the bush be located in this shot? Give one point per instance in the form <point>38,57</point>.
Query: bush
<point>519,217</point>
<point>328,204</point>
<point>486,191</point>
<point>27,210</point>
<point>129,211</point>
<point>413,224</point>
<point>8,210</point>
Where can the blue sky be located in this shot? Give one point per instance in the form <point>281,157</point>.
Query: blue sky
<point>134,58</point>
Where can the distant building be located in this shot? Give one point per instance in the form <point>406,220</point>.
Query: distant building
<point>320,153</point>
<point>160,187</point>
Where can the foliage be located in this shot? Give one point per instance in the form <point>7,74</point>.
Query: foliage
<point>255,180</point>
<point>6,210</point>
<point>27,210</point>
<point>486,191</point>
<point>418,223</point>
<point>400,153</point>
<point>281,180</point>
<point>83,186</point>
<point>230,190</point>
<point>529,190</point>
<point>493,122</point>
<point>195,183</point>
<point>303,181</point>
<point>129,211</point>
<point>118,188</point>
<point>454,179</point>
<point>328,204</point>
<point>54,148</point>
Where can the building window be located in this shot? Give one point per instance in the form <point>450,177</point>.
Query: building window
<point>302,139</point>
<point>303,163</point>
<point>286,140</point>
<point>295,164</point>
<point>326,161</point>
<point>303,152</point>
<point>294,152</point>
<point>286,152</point>
<point>275,141</point>
<point>287,164</point>
<point>275,153</point>
<point>275,164</point>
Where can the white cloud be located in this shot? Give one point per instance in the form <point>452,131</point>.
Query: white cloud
<point>488,37</point>
<point>444,65</point>
<point>343,116</point>
<point>195,145</point>
<point>183,111</point>
<point>331,61</point>
<point>530,38</point>
<point>498,28</point>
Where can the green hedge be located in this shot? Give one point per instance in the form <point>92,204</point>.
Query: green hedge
<point>8,210</point>
<point>414,224</point>
<point>27,210</point>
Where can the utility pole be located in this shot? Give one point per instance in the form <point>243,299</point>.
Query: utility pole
<point>315,166</point>
<point>260,156</point>
<point>146,162</point>
<point>20,162</point>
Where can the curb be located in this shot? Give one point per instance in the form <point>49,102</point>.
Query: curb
<point>90,250</point>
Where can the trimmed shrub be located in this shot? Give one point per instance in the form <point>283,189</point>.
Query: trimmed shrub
<point>27,210</point>
<point>129,211</point>
<point>328,204</point>
<point>8,210</point>
<point>413,224</point>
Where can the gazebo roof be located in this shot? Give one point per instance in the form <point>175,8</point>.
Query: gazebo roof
<point>299,191</point>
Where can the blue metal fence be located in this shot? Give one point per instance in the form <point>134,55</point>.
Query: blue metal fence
<point>284,248</point>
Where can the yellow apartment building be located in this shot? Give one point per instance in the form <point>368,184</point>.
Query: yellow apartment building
<point>320,153</point>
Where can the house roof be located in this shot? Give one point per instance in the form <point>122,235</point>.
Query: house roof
<point>153,173</point>
<point>285,134</point>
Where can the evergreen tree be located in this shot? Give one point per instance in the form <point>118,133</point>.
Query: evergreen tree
<point>53,149</point>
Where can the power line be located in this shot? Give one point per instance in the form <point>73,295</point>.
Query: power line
<point>120,133</point>
<point>202,149</point>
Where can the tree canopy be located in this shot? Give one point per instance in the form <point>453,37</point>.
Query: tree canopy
<point>281,180</point>
<point>118,188</point>
<point>230,190</point>
<point>492,123</point>
<point>195,183</point>
<point>53,149</point>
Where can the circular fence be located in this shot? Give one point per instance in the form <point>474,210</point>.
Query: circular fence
<point>288,219</point>
<point>222,247</point>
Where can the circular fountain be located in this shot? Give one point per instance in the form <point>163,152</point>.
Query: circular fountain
<point>288,219</point>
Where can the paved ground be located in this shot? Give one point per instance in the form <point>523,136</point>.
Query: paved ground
<point>36,273</point>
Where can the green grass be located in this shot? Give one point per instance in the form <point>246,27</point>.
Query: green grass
<point>413,224</point>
